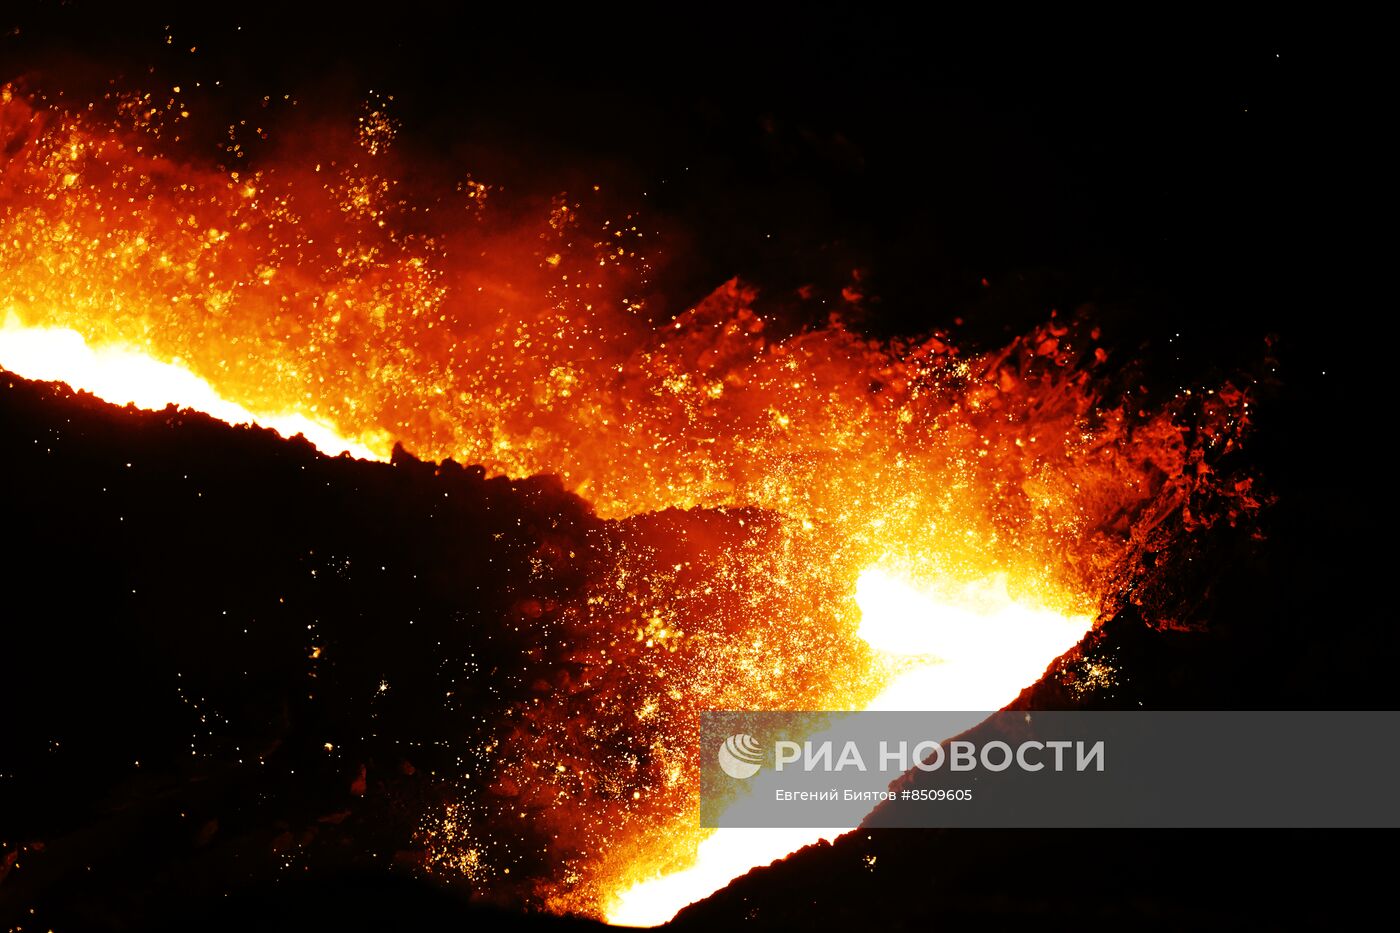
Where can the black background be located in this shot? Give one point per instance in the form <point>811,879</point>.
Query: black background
<point>1198,170</point>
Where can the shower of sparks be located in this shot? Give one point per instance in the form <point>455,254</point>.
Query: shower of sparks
<point>973,654</point>
<point>891,524</point>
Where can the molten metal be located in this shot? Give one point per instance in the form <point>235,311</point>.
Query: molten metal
<point>128,376</point>
<point>907,527</point>
<point>977,654</point>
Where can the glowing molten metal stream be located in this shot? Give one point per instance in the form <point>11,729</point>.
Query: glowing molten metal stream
<point>975,654</point>
<point>128,376</point>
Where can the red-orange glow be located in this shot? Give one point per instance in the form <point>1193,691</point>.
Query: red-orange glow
<point>974,650</point>
<point>900,524</point>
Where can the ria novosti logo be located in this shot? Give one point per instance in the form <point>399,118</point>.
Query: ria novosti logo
<point>740,756</point>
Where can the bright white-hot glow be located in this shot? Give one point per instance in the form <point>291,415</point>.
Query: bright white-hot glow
<point>723,856</point>
<point>974,652</point>
<point>980,647</point>
<point>126,375</point>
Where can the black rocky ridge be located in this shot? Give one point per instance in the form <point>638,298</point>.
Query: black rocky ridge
<point>218,644</point>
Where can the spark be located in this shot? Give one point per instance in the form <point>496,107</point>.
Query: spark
<point>975,653</point>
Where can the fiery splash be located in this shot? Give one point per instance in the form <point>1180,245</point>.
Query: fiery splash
<point>974,654</point>
<point>876,505</point>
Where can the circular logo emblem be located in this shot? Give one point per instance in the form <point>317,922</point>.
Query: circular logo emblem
<point>740,756</point>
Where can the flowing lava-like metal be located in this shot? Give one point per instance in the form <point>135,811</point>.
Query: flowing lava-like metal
<point>751,483</point>
<point>974,650</point>
<point>972,647</point>
<point>969,650</point>
<point>125,375</point>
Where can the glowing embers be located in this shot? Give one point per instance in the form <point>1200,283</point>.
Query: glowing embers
<point>125,375</point>
<point>972,649</point>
